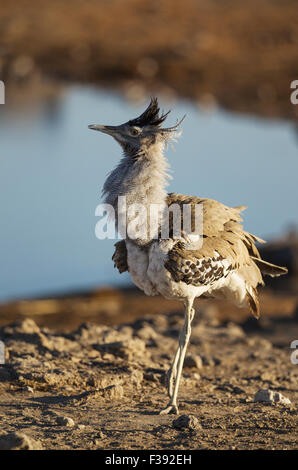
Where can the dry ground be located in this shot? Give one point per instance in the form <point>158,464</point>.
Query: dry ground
<point>110,382</point>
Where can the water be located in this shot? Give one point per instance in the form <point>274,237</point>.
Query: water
<point>52,169</point>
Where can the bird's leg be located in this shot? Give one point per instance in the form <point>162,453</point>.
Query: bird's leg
<point>172,373</point>
<point>177,364</point>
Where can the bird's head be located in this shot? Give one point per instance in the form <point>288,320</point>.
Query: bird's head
<point>142,132</point>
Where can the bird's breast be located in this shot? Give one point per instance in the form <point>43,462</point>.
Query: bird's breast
<point>146,266</point>
<point>148,272</point>
<point>138,262</point>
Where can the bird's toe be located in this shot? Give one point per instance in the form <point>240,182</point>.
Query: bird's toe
<point>170,409</point>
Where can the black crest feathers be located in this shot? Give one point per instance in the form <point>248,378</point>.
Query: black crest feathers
<point>150,117</point>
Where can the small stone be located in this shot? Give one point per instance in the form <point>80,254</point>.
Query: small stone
<point>193,361</point>
<point>28,389</point>
<point>65,421</point>
<point>187,422</point>
<point>18,441</point>
<point>269,396</point>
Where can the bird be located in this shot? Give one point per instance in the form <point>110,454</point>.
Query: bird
<point>224,262</point>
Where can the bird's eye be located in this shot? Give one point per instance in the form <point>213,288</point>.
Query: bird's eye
<point>134,131</point>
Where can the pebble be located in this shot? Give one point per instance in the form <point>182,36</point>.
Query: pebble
<point>187,422</point>
<point>269,396</point>
<point>65,421</point>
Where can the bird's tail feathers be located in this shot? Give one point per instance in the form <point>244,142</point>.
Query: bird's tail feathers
<point>253,301</point>
<point>268,268</point>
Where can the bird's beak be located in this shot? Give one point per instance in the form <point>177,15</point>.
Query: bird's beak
<point>111,130</point>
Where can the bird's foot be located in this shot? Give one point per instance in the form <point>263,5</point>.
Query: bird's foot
<point>170,409</point>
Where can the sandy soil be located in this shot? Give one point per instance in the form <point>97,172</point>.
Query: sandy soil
<point>240,55</point>
<point>110,382</point>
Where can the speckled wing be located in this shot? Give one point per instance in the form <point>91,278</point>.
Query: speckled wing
<point>226,246</point>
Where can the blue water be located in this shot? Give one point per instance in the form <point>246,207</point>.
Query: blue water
<point>52,169</point>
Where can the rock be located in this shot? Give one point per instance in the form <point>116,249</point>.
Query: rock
<point>103,382</point>
<point>269,396</point>
<point>18,441</point>
<point>147,333</point>
<point>113,335</point>
<point>187,422</point>
<point>88,333</point>
<point>129,349</point>
<point>112,392</point>
<point>28,389</point>
<point>193,361</point>
<point>27,327</point>
<point>57,343</point>
<point>65,421</point>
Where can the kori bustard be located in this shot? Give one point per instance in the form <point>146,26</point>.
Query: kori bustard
<point>226,264</point>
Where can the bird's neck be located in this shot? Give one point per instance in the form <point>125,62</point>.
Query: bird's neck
<point>142,179</point>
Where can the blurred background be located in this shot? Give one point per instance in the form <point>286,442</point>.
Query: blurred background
<point>227,64</point>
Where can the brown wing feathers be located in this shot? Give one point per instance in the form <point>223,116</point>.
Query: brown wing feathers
<point>226,247</point>
<point>222,232</point>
